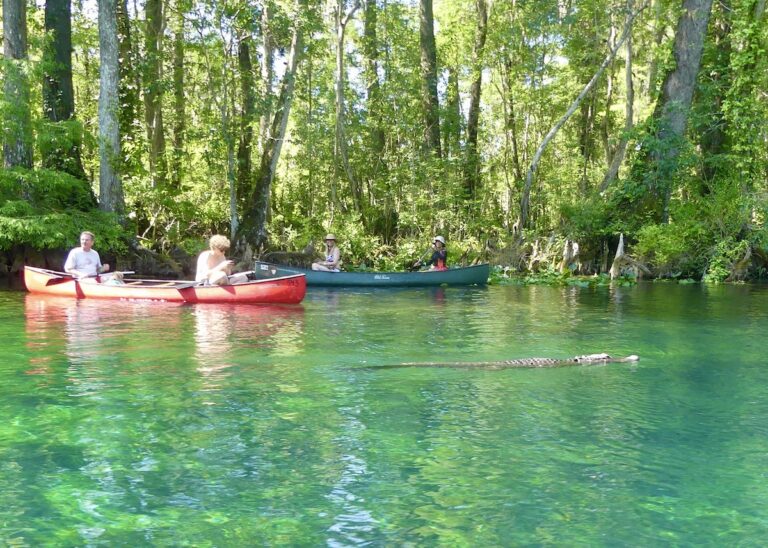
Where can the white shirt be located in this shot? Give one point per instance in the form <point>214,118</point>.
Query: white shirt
<point>87,262</point>
<point>202,267</point>
<point>203,272</point>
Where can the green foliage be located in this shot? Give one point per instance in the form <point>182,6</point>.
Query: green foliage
<point>667,248</point>
<point>506,276</point>
<point>53,137</point>
<point>168,218</point>
<point>45,209</point>
<point>46,189</point>
<point>395,198</point>
<point>60,230</point>
<point>588,222</point>
<point>726,254</point>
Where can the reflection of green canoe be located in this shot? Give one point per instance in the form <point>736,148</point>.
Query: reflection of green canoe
<point>470,275</point>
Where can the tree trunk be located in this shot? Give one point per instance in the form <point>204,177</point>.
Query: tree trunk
<point>472,164</point>
<point>63,151</point>
<point>451,130</point>
<point>129,85</point>
<point>747,93</point>
<point>586,138</point>
<point>179,102</point>
<point>677,93</point>
<point>429,101</point>
<point>253,232</point>
<point>267,74</point>
<point>525,199</point>
<point>606,124</point>
<point>247,117</point>
<point>658,37</point>
<point>342,150</point>
<point>371,52</point>
<point>510,123</point>
<point>110,187</point>
<point>715,127</point>
<point>621,150</point>
<point>622,260</point>
<point>227,113</point>
<point>153,94</point>
<point>17,126</point>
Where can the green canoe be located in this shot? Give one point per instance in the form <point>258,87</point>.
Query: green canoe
<point>470,275</point>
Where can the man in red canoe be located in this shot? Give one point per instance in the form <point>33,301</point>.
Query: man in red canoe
<point>213,267</point>
<point>84,261</point>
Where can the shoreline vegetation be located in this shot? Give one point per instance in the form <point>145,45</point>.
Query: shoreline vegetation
<point>558,142</point>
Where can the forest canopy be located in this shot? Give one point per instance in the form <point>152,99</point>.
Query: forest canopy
<point>515,129</point>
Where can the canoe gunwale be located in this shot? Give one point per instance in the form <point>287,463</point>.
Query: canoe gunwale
<point>470,275</point>
<point>288,289</point>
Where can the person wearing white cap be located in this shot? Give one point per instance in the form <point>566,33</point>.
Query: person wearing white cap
<point>439,259</point>
<point>332,256</point>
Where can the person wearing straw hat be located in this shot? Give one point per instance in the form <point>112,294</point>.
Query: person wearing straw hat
<point>439,259</point>
<point>332,260</point>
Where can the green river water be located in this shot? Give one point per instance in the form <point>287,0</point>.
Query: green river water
<point>130,424</point>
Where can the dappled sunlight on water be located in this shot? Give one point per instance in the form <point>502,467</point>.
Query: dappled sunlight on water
<point>131,423</point>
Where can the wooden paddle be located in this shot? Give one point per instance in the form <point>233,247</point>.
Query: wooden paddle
<point>186,285</point>
<point>69,277</point>
<point>416,265</point>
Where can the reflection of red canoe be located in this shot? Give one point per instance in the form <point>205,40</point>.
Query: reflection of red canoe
<point>287,289</point>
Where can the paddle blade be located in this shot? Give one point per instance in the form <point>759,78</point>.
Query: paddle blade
<point>59,280</point>
<point>66,278</point>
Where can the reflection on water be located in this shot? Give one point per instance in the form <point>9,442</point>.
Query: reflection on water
<point>213,328</point>
<point>91,335</point>
<point>131,424</point>
<point>220,328</point>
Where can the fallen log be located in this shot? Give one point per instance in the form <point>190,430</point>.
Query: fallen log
<point>587,359</point>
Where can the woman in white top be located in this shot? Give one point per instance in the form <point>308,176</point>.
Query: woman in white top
<point>213,267</point>
<point>332,260</point>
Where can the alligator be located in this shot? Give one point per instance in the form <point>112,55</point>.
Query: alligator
<point>587,359</point>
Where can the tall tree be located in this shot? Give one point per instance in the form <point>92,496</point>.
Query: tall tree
<point>629,113</point>
<point>672,110</point>
<point>472,164</point>
<point>510,116</point>
<point>342,18</point>
<point>452,120</point>
<point>253,232</point>
<point>110,186</point>
<point>179,99</point>
<point>526,194</point>
<point>429,101</point>
<point>746,111</point>
<point>659,31</point>
<point>130,84</point>
<point>63,150</point>
<point>372,85</point>
<point>153,90</point>
<point>267,71</point>
<point>247,114</point>
<point>17,125</point>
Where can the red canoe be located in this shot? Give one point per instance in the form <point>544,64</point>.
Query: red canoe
<point>284,290</point>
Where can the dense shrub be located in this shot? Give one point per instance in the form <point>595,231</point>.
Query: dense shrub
<point>45,209</point>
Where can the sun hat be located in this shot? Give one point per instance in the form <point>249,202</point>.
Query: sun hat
<point>439,239</point>
<point>330,237</point>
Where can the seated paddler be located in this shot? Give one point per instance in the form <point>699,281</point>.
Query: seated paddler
<point>332,262</point>
<point>213,267</point>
